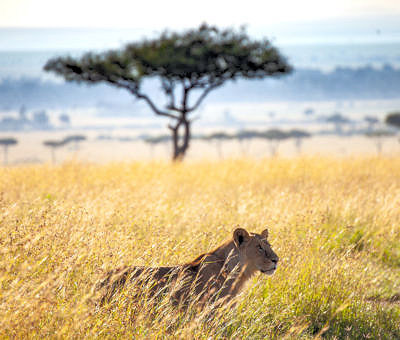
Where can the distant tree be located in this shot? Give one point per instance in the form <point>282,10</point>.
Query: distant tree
<point>152,141</point>
<point>22,113</point>
<point>274,136</point>
<point>64,119</point>
<point>104,137</point>
<point>299,136</point>
<point>218,137</point>
<point>309,112</point>
<point>53,145</point>
<point>371,121</point>
<point>393,119</point>
<point>41,120</point>
<point>339,121</point>
<point>244,138</point>
<point>76,139</point>
<point>378,136</point>
<point>126,139</point>
<point>7,142</point>
<point>194,61</point>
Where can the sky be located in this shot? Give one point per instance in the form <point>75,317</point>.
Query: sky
<point>59,25</point>
<point>175,14</point>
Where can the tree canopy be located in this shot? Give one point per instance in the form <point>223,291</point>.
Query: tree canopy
<point>194,61</point>
<point>393,119</point>
<point>8,141</point>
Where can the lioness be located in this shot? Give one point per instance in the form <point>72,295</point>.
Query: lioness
<point>215,276</point>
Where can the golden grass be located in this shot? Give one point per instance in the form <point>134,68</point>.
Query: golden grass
<point>335,223</point>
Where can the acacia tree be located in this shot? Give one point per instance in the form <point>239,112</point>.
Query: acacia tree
<point>189,65</point>
<point>274,136</point>
<point>299,136</point>
<point>154,140</point>
<point>7,142</point>
<point>378,136</point>
<point>218,137</point>
<point>393,119</point>
<point>76,139</point>
<point>244,138</point>
<point>53,145</point>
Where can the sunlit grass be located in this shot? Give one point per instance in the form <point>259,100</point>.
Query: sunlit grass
<point>335,224</point>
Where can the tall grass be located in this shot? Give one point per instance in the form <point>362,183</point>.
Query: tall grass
<point>335,224</point>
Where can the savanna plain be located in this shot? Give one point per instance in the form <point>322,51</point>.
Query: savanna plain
<point>334,223</point>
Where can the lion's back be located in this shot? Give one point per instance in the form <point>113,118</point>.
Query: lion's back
<point>137,276</point>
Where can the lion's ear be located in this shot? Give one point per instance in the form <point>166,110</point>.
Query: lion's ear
<point>240,236</point>
<point>264,234</point>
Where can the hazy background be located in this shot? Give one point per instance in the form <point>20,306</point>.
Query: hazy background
<point>346,57</point>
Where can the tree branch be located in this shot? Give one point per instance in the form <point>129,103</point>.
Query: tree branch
<point>153,106</point>
<point>168,87</point>
<point>185,92</point>
<point>134,89</point>
<point>203,95</point>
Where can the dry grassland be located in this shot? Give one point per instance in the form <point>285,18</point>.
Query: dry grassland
<point>335,223</point>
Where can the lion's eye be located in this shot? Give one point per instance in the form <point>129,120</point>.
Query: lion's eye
<point>260,249</point>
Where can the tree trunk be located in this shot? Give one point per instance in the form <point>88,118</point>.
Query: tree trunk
<point>152,151</point>
<point>53,155</point>
<point>219,149</point>
<point>180,139</point>
<point>299,144</point>
<point>378,144</point>
<point>5,160</point>
<point>273,148</point>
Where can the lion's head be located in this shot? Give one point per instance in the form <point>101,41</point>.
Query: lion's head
<point>255,251</point>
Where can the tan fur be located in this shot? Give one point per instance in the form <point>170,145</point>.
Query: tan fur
<point>215,276</point>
